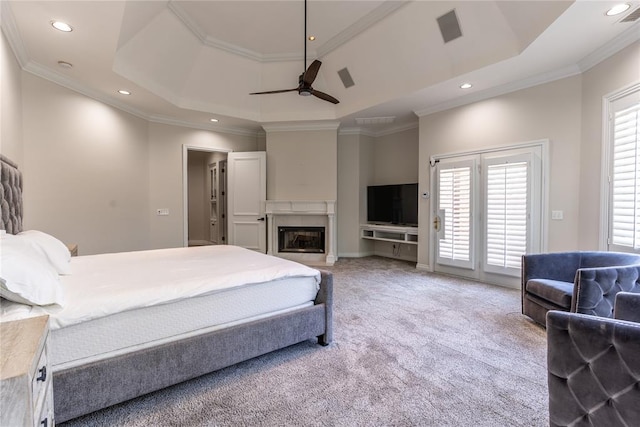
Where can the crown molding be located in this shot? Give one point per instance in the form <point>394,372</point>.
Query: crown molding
<point>183,16</point>
<point>62,80</point>
<point>355,130</point>
<point>397,129</point>
<point>193,125</point>
<point>367,21</point>
<point>10,30</point>
<point>551,76</point>
<point>207,40</point>
<point>624,39</point>
<point>301,126</point>
<point>373,17</point>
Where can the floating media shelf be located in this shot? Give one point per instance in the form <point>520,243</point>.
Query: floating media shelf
<point>390,233</point>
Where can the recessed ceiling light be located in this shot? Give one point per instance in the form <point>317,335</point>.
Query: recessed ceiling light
<point>65,64</point>
<point>62,26</point>
<point>618,9</point>
<point>124,92</point>
<point>214,120</point>
<point>466,86</point>
<point>312,38</point>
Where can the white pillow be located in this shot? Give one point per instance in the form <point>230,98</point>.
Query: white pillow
<point>26,276</point>
<point>53,249</point>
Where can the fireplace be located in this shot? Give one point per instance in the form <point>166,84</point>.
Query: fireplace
<point>301,239</point>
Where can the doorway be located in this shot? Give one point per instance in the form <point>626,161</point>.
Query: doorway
<point>488,211</point>
<point>206,195</point>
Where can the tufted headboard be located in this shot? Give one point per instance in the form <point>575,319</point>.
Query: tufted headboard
<point>10,196</point>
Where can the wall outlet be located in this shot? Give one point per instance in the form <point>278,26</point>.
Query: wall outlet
<point>162,212</point>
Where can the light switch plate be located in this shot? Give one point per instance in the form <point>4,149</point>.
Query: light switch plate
<point>162,212</point>
<point>557,215</point>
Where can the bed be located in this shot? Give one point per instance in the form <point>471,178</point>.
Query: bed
<point>127,324</point>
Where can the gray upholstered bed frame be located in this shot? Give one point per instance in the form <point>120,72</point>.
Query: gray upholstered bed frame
<point>87,388</point>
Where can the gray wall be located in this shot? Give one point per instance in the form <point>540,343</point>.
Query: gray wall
<point>302,164</point>
<point>95,175</point>
<point>569,113</point>
<point>620,70</point>
<point>10,103</point>
<point>366,160</point>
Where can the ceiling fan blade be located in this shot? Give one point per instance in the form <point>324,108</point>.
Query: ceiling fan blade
<point>274,91</point>
<point>324,96</point>
<point>312,72</point>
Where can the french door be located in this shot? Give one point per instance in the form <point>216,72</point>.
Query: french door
<point>487,212</point>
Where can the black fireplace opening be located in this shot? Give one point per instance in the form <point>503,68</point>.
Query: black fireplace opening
<point>301,239</point>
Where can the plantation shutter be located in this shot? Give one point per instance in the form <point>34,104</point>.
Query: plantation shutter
<point>455,215</point>
<point>506,215</point>
<point>625,177</point>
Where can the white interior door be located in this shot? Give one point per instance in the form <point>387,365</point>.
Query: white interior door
<point>247,193</point>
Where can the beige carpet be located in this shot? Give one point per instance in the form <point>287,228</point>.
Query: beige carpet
<point>410,348</point>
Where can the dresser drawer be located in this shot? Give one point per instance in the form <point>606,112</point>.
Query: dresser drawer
<point>40,381</point>
<point>46,413</point>
<point>26,386</point>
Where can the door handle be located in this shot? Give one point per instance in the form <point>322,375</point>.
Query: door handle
<point>261,219</point>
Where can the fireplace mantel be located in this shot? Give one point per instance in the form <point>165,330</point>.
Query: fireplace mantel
<point>323,208</point>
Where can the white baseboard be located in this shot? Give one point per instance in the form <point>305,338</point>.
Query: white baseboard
<point>356,254</point>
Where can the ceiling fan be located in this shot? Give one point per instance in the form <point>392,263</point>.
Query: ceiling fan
<point>308,76</point>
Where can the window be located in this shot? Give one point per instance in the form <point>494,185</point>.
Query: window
<point>506,214</point>
<point>454,205</point>
<point>624,172</point>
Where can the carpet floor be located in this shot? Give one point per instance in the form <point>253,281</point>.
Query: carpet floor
<point>410,348</point>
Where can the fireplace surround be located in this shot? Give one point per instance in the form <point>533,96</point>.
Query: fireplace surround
<point>302,214</point>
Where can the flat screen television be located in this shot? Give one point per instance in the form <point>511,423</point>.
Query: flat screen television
<point>393,204</point>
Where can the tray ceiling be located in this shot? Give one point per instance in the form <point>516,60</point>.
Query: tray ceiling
<point>188,61</point>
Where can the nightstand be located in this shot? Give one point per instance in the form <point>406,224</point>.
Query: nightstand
<point>26,390</point>
<point>73,248</point>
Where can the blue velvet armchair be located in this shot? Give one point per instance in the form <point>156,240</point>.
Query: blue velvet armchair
<point>594,366</point>
<point>579,282</point>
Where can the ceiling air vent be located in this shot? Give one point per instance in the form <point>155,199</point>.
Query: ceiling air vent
<point>633,16</point>
<point>449,26</point>
<point>375,120</point>
<point>347,81</point>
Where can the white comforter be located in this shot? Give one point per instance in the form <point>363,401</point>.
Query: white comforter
<point>105,284</point>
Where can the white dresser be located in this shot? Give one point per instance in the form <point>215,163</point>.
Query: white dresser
<point>26,392</point>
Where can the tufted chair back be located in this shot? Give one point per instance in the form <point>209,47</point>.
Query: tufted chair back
<point>593,369</point>
<point>596,288</point>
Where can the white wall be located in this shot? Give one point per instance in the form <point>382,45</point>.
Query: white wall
<point>10,104</point>
<point>551,110</point>
<point>86,169</point>
<point>609,76</point>
<point>396,158</point>
<point>302,164</point>
<point>355,166</point>
<point>165,172</point>
<point>365,160</point>
<point>395,161</point>
<point>95,175</point>
<point>569,113</point>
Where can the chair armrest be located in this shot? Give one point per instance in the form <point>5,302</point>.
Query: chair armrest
<point>560,266</point>
<point>627,307</point>
<point>592,367</point>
